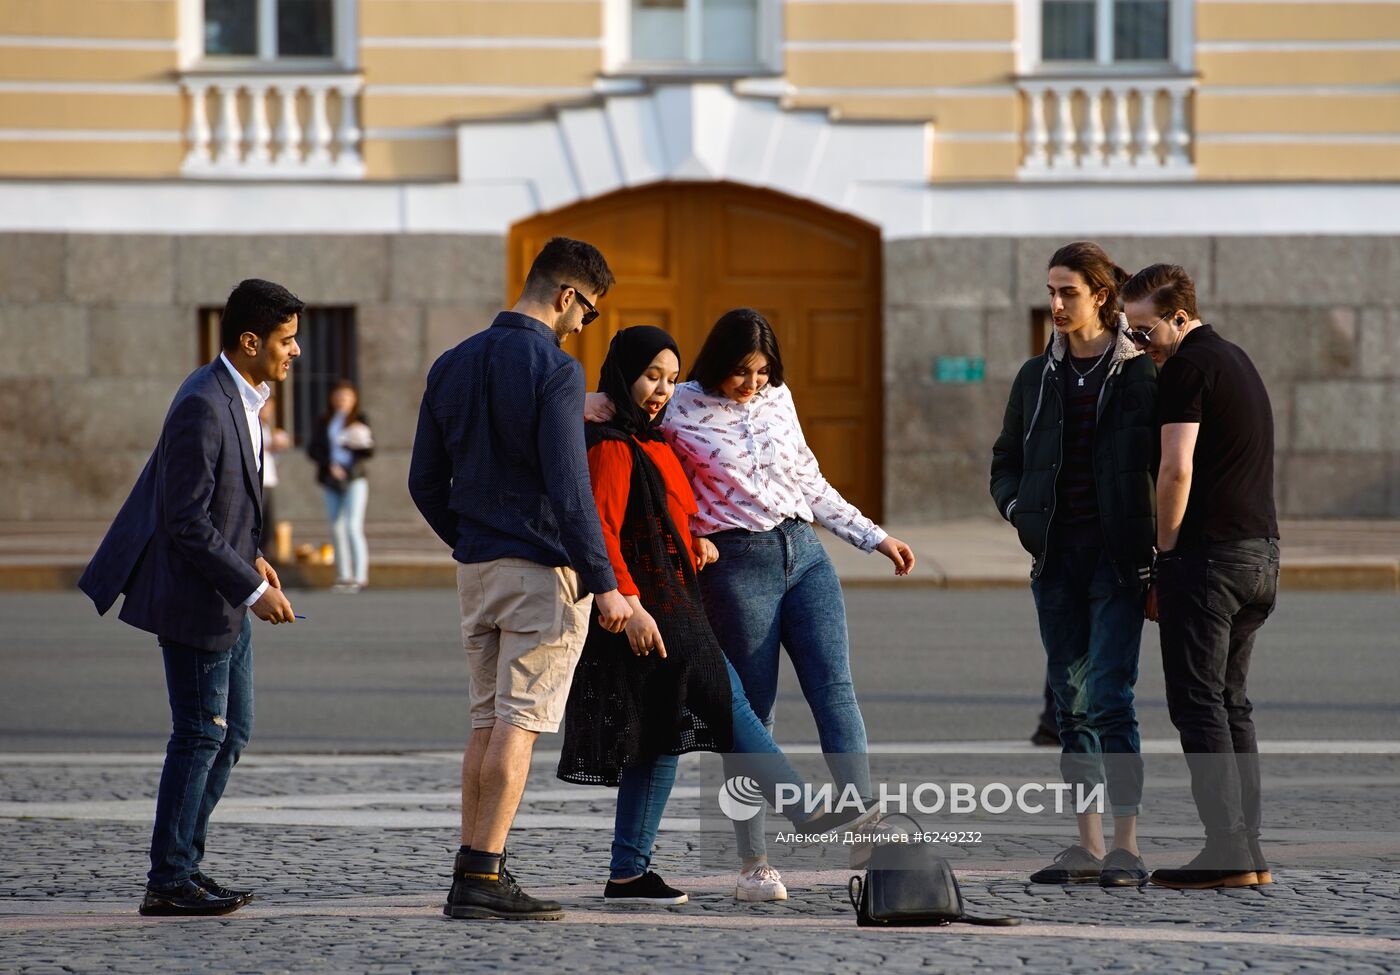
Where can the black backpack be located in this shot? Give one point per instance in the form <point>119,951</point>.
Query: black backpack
<point>910,884</point>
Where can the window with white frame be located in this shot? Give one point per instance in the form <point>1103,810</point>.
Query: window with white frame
<point>704,35</point>
<point>273,30</point>
<point>1075,34</point>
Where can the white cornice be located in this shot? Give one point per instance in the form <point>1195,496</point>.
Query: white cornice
<point>902,210</point>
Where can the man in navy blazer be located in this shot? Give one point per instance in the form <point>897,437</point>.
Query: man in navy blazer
<point>185,550</point>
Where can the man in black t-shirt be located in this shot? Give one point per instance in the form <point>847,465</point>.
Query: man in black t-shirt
<point>1217,563</point>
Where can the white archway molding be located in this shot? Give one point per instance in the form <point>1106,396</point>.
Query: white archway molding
<point>696,131</point>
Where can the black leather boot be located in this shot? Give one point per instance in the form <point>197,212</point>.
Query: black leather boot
<point>482,888</point>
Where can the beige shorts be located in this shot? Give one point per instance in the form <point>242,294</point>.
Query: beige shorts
<point>523,626</point>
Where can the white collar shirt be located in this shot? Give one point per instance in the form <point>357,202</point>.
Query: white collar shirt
<point>253,399</point>
<point>751,468</point>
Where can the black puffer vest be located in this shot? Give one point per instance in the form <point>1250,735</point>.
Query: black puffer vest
<point>1029,455</point>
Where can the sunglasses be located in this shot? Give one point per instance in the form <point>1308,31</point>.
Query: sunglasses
<point>592,312</point>
<point>1140,337</point>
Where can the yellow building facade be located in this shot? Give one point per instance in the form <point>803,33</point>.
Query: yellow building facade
<point>1212,90</point>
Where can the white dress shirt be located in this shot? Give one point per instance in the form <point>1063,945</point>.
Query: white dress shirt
<point>751,468</point>
<point>253,399</point>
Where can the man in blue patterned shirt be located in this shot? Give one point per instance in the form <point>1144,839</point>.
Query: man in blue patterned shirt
<point>500,472</point>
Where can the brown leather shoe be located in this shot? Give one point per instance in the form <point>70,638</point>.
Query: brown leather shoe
<point>1223,863</point>
<point>1261,865</point>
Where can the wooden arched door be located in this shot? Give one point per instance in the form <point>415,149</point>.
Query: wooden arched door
<point>684,253</point>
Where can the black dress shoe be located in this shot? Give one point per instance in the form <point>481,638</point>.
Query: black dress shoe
<point>1122,869</point>
<point>218,889</point>
<point>186,900</point>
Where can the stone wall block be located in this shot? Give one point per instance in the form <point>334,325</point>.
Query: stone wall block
<point>965,272</point>
<point>1281,398</point>
<point>1008,344</point>
<point>145,340</point>
<point>1343,416</point>
<point>933,486</point>
<point>916,336</point>
<point>390,339</point>
<point>439,268</point>
<point>135,268</point>
<point>1328,484</point>
<point>1292,343</point>
<point>1378,343</point>
<point>1309,271</point>
<point>49,341</point>
<point>946,417</point>
<point>59,484</point>
<point>392,404</point>
<point>320,269</point>
<point>26,413</point>
<point>31,267</point>
<point>96,415</point>
<point>448,325</point>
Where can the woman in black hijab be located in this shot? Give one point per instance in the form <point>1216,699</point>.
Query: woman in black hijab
<point>663,687</point>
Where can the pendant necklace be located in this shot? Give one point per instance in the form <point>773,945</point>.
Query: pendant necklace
<point>1090,370</point>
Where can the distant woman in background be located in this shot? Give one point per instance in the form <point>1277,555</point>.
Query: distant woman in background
<point>275,440</point>
<point>340,444</point>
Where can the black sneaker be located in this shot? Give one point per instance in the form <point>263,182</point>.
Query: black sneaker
<point>646,889</point>
<point>1074,865</point>
<point>1122,869</point>
<point>1221,864</point>
<point>1045,737</point>
<point>494,895</point>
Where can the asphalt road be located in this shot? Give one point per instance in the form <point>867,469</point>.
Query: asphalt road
<point>383,671</point>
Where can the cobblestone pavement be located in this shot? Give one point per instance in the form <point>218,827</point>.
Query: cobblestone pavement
<point>350,856</point>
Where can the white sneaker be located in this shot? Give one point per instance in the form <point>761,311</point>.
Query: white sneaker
<point>762,883</point>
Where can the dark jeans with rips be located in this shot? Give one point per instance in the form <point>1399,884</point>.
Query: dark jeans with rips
<point>1211,603</point>
<point>211,712</point>
<point>1091,625</point>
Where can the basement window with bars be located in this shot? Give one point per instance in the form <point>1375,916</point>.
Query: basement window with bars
<point>329,353</point>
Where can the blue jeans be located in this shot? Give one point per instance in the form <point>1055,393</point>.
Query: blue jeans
<point>645,787</point>
<point>346,512</point>
<point>211,717</point>
<point>779,588</point>
<point>1091,626</point>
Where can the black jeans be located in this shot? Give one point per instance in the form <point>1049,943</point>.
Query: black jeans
<point>1211,603</point>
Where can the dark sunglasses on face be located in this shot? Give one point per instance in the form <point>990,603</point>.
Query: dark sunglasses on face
<point>592,312</point>
<point>1140,337</point>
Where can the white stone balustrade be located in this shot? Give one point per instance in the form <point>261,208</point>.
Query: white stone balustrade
<point>1107,128</point>
<point>271,126</point>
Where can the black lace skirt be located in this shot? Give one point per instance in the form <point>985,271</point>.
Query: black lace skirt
<point>623,708</point>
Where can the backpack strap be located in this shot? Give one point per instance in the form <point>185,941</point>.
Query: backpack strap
<point>854,890</point>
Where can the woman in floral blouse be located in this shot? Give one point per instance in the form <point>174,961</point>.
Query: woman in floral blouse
<point>759,489</point>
